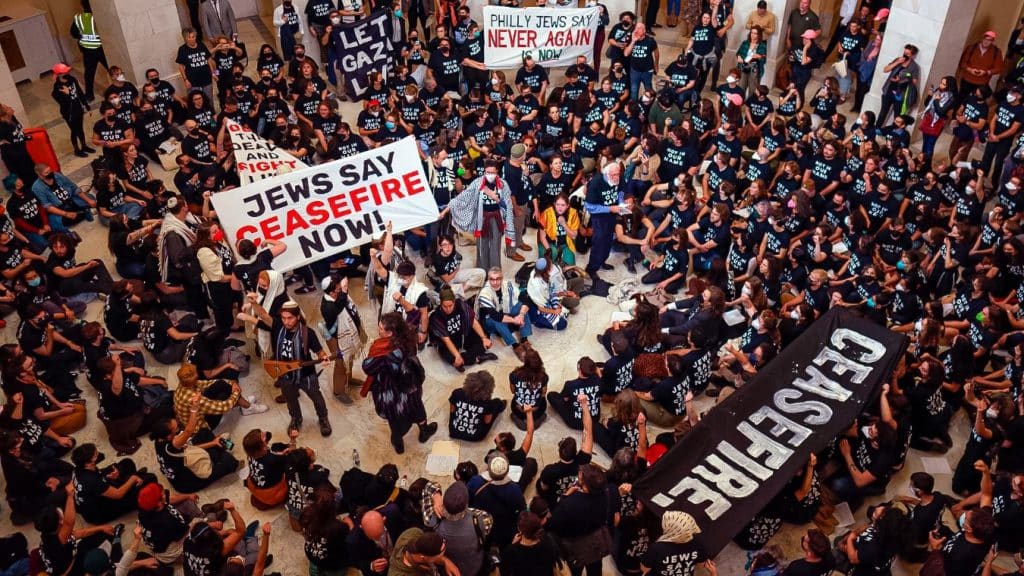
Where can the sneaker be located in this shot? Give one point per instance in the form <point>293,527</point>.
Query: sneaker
<point>487,356</point>
<point>344,398</point>
<point>295,424</point>
<point>118,530</point>
<point>88,150</point>
<point>631,266</point>
<point>305,289</point>
<point>607,267</point>
<point>280,399</point>
<point>460,369</point>
<point>251,399</point>
<point>325,427</point>
<point>81,154</point>
<point>254,408</point>
<point>427,430</point>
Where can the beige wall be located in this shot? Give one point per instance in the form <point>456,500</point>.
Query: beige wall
<point>999,16</point>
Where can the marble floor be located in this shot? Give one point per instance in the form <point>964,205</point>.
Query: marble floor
<point>357,426</point>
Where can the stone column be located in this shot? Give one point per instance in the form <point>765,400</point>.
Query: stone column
<point>140,35</point>
<point>9,95</point>
<point>939,28</point>
<point>776,44</point>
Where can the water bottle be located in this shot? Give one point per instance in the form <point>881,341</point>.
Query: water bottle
<point>355,458</point>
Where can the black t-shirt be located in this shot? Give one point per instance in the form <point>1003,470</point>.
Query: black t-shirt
<point>1009,516</point>
<point>532,78</point>
<point>301,486</point>
<point>446,68</point>
<point>802,567</point>
<point>467,415</point>
<point>57,558</point>
<point>127,403</point>
<point>288,343</point>
<point>874,559</point>
<point>195,61</point>
<point>268,470</point>
<point>328,550</point>
<point>963,558</point>
<point>161,528</point>
<point>556,478</point>
<point>520,560</point>
<point>153,332</point>
<point>642,57</point>
<point>30,337</point>
<point>89,488</point>
<point>247,273</point>
<point>589,386</point>
<point>671,559</point>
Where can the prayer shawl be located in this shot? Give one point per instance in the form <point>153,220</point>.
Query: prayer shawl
<point>184,228</point>
<point>468,210</point>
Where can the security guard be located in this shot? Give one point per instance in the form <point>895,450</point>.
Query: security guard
<point>83,29</point>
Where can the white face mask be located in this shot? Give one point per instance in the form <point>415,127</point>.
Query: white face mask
<point>794,315</point>
<point>495,81</point>
<point>645,99</point>
<point>448,163</point>
<point>732,79</point>
<point>900,288</point>
<point>721,131</point>
<point>756,157</point>
<point>1011,186</point>
<point>490,178</point>
<point>404,281</point>
<point>970,189</point>
<point>756,324</point>
<point>336,20</point>
<point>410,98</point>
<point>120,78</point>
<point>746,290</point>
<point>1010,98</point>
<point>115,101</point>
<point>151,96</point>
<point>992,413</point>
<point>866,431</point>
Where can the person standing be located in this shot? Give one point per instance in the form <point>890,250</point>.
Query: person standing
<point>318,18</point>
<point>14,147</point>
<point>72,103</point>
<point>342,328</point>
<point>519,189</point>
<point>83,29</point>
<point>900,89</point>
<point>846,13</point>
<point>800,20</point>
<point>395,377</point>
<point>485,210</point>
<point>642,53</point>
<point>292,339</point>
<point>195,63</point>
<point>288,24</point>
<point>1003,128</point>
<point>979,63</point>
<point>604,201</point>
<point>764,18</point>
<point>217,18</point>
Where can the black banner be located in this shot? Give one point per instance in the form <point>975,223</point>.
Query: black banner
<point>735,461</point>
<point>363,47</point>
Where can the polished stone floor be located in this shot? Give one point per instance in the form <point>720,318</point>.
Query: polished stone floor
<point>357,427</point>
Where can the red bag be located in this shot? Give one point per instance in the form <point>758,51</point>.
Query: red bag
<point>931,125</point>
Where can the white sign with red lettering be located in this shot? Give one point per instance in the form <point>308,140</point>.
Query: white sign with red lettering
<point>552,36</point>
<point>322,210</point>
<point>257,158</point>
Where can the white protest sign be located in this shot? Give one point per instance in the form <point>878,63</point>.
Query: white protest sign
<point>553,36</point>
<point>257,158</point>
<point>326,209</point>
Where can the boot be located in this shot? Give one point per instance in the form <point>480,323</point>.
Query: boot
<point>426,431</point>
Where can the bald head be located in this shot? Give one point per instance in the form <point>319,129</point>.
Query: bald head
<point>372,525</point>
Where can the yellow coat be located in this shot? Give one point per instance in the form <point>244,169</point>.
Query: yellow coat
<point>551,225</point>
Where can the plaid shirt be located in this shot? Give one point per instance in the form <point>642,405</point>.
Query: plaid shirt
<point>206,406</point>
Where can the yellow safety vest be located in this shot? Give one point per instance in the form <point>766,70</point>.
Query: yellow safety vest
<point>90,39</point>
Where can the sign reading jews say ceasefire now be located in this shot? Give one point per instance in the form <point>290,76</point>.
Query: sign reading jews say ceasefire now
<point>326,209</point>
<point>552,36</point>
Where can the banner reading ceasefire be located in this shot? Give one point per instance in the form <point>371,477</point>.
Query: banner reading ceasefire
<point>257,158</point>
<point>731,465</point>
<point>322,210</point>
<point>553,36</point>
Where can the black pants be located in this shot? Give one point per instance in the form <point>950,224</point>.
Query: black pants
<point>311,386</point>
<point>95,280</point>
<point>564,408</point>
<point>92,58</point>
<point>222,300</point>
<point>889,104</point>
<point>997,151</point>
<point>651,14</point>
<point>859,93</point>
<point>604,232</point>
<point>471,350</point>
<point>78,141</point>
<point>19,161</point>
<point>660,274</point>
<point>418,16</point>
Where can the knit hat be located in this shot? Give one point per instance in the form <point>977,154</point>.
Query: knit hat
<point>498,469</point>
<point>542,264</point>
<point>326,283</point>
<point>428,544</point>
<point>150,497</point>
<point>406,268</point>
<point>447,295</point>
<point>518,151</point>
<point>456,498</point>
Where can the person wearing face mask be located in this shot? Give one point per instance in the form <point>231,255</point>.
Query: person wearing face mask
<point>485,210</point>
<point>73,104</point>
<point>1003,129</point>
<point>110,132</point>
<point>216,262</point>
<point>119,85</point>
<point>445,66</point>
<point>288,24</point>
<point>619,37</point>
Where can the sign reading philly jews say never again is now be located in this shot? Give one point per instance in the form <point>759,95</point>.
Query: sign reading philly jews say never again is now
<point>326,209</point>
<point>734,463</point>
<point>257,158</point>
<point>552,36</point>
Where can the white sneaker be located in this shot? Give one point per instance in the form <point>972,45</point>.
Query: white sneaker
<point>251,399</point>
<point>254,408</point>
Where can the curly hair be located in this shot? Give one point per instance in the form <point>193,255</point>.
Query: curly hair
<point>478,386</point>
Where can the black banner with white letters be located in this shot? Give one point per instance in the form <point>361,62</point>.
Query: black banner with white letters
<point>732,464</point>
<point>363,47</point>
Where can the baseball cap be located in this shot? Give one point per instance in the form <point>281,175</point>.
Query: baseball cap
<point>811,34</point>
<point>990,34</point>
<point>61,68</point>
<point>882,14</point>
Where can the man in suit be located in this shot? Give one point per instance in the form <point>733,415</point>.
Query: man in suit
<point>218,19</point>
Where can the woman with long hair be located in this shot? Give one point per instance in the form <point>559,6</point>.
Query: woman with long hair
<point>305,479</point>
<point>750,60</point>
<point>216,261</point>
<point>325,534</point>
<point>627,428</point>
<point>207,549</point>
<point>395,377</point>
<point>633,532</point>
<point>559,226</point>
<point>529,386</point>
<point>134,173</point>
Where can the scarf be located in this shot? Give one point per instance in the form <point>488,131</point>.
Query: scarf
<point>184,228</point>
<point>467,209</point>
<point>380,347</point>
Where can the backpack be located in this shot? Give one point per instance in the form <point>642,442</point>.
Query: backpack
<point>523,274</point>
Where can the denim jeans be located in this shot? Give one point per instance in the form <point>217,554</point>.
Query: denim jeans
<point>636,78</point>
<point>492,326</point>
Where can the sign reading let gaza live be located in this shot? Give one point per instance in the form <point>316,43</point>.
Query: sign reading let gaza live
<point>553,36</point>
<point>732,464</point>
<point>323,210</point>
<point>365,48</point>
